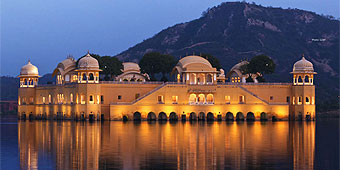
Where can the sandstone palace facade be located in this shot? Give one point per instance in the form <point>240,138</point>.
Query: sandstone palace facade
<point>200,92</point>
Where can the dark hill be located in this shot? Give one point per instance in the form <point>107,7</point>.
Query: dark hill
<point>9,86</point>
<point>233,31</point>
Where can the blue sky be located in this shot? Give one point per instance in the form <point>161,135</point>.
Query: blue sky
<point>46,31</point>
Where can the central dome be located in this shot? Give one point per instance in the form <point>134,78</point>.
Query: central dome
<point>193,59</point>
<point>29,70</point>
<point>303,65</point>
<point>88,63</point>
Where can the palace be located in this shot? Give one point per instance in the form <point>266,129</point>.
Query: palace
<point>200,92</point>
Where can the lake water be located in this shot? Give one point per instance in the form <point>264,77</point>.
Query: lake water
<point>196,145</point>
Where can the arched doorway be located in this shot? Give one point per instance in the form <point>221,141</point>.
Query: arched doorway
<point>210,116</point>
<point>250,116</point>
<point>201,116</point>
<point>31,116</point>
<point>91,117</point>
<point>274,118</point>
<point>239,116</point>
<point>229,116</point>
<point>162,116</point>
<point>173,116</point>
<point>263,116</point>
<point>192,116</point>
<point>82,117</point>
<point>137,116</point>
<point>151,116</point>
<point>300,116</point>
<point>23,116</point>
<point>125,118</point>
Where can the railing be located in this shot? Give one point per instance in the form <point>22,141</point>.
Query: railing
<point>50,85</point>
<point>46,85</point>
<point>160,82</point>
<point>231,83</point>
<point>201,103</point>
<point>130,82</point>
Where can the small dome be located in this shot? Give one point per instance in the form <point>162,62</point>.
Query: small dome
<point>67,63</point>
<point>88,63</point>
<point>303,65</point>
<point>130,66</point>
<point>29,70</point>
<point>239,65</point>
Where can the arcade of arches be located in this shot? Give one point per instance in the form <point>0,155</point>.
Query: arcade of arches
<point>201,116</point>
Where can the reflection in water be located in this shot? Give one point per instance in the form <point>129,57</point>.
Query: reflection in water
<point>119,145</point>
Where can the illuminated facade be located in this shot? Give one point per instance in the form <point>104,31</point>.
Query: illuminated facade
<point>200,92</point>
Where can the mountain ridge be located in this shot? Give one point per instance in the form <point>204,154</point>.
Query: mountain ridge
<point>234,31</point>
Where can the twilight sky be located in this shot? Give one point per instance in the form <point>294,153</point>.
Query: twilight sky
<point>46,31</point>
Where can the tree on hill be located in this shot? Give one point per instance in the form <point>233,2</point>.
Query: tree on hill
<point>213,60</point>
<point>260,65</point>
<point>154,62</point>
<point>111,66</point>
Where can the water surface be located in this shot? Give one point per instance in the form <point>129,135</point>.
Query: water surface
<point>190,145</point>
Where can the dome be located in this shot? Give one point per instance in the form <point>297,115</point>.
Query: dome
<point>130,66</point>
<point>67,63</point>
<point>239,65</point>
<point>29,70</point>
<point>193,60</point>
<point>88,63</point>
<point>303,65</point>
<point>65,66</point>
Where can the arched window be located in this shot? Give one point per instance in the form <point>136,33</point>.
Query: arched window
<point>91,77</point>
<point>91,99</point>
<point>201,79</point>
<point>210,98</point>
<point>307,100</point>
<point>192,98</point>
<point>192,78</point>
<point>300,100</point>
<point>71,98</point>
<point>160,99</point>
<point>299,79</point>
<point>67,78</point>
<point>209,78</point>
<point>84,76</point>
<point>306,79</point>
<point>201,98</point>
<point>241,99</point>
<point>49,99</point>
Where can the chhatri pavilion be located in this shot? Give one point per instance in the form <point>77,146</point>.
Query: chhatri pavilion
<point>199,92</point>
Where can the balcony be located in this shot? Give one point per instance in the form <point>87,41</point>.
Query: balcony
<point>201,103</point>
